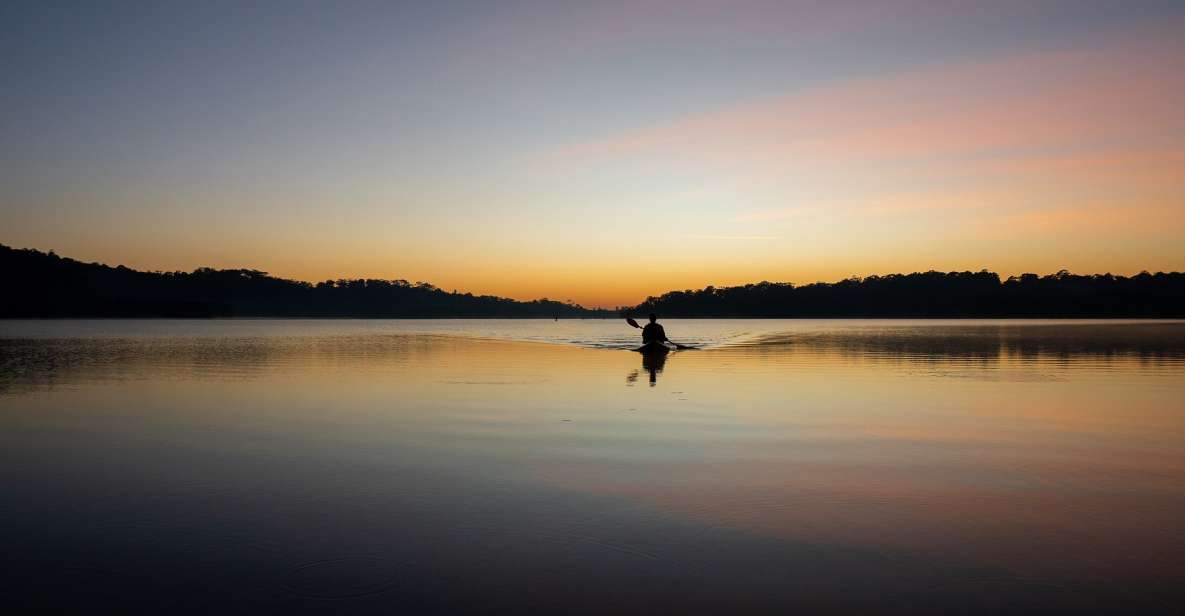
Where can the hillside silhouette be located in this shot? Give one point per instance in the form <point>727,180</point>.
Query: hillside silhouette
<point>937,294</point>
<point>42,284</point>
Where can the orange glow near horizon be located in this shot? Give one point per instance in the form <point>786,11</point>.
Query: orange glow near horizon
<point>616,168</point>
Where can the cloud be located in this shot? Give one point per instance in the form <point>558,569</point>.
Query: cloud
<point>1098,96</point>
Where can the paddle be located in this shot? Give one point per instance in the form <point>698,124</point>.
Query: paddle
<point>680,347</point>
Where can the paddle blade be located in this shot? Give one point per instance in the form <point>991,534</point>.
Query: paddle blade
<point>632,322</point>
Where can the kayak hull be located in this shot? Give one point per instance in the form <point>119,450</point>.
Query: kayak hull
<point>656,347</point>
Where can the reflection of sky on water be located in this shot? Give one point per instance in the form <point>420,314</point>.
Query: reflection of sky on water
<point>827,466</point>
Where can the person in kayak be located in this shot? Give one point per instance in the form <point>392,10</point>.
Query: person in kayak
<point>653,332</point>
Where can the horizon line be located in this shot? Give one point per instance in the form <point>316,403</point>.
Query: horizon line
<point>1001,276</point>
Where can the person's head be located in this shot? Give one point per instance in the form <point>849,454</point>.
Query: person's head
<point>653,317</point>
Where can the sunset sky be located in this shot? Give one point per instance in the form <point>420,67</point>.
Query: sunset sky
<point>596,151</point>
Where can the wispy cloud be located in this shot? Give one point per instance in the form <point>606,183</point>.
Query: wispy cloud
<point>1099,96</point>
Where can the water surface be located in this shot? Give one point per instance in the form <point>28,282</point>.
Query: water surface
<point>472,466</point>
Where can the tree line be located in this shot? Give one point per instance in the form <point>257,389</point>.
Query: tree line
<point>46,285</point>
<point>40,284</point>
<point>937,294</point>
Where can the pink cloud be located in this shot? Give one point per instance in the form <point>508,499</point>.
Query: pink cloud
<point>1127,90</point>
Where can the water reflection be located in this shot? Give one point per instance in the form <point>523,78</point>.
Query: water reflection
<point>825,467</point>
<point>1151,341</point>
<point>43,363</point>
<point>653,362</point>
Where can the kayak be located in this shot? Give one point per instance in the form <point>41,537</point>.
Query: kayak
<point>656,347</point>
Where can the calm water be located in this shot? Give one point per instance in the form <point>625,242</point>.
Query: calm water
<point>484,466</point>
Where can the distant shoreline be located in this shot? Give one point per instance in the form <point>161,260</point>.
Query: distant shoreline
<point>43,285</point>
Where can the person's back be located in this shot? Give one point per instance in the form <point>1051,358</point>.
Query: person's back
<point>653,332</point>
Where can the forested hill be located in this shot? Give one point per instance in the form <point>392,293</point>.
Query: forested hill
<point>937,294</point>
<point>38,284</point>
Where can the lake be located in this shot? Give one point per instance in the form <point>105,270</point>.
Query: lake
<point>454,466</point>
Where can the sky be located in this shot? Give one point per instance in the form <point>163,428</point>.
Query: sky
<point>596,151</point>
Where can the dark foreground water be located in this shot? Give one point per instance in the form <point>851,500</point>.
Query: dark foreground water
<point>510,466</point>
